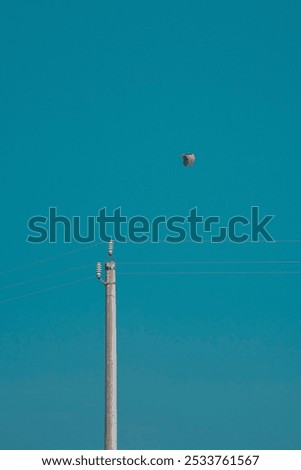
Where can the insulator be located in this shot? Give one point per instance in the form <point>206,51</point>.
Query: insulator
<point>110,247</point>
<point>98,270</point>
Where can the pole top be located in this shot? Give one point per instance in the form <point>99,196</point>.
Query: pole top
<point>110,265</point>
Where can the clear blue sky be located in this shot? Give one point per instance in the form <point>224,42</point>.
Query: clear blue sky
<point>97,101</point>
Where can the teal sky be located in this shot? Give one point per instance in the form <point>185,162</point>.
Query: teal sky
<point>97,101</point>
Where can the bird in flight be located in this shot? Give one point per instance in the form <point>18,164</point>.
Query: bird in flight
<point>188,159</point>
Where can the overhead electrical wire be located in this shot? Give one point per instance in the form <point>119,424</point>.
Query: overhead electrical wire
<point>147,263</point>
<point>47,276</point>
<point>210,262</point>
<point>52,258</point>
<point>47,289</point>
<point>141,273</point>
<point>144,273</point>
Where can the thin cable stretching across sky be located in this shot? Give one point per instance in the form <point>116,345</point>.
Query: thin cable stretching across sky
<point>48,276</point>
<point>146,273</point>
<point>163,240</point>
<point>155,263</point>
<point>288,241</point>
<point>51,258</point>
<point>47,289</point>
<point>147,263</point>
<point>142,273</point>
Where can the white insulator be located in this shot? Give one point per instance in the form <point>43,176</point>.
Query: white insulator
<point>110,247</point>
<point>98,270</point>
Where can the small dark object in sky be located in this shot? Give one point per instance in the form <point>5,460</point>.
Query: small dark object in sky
<point>188,159</point>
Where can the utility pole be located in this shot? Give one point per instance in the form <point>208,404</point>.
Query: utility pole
<point>110,351</point>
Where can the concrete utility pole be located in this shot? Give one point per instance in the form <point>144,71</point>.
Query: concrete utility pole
<point>111,359</point>
<point>110,352</point>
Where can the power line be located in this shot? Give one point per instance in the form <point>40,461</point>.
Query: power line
<point>51,258</point>
<point>48,276</point>
<point>41,291</point>
<point>288,241</point>
<point>142,273</point>
<point>150,263</point>
<point>134,263</point>
<point>163,240</point>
